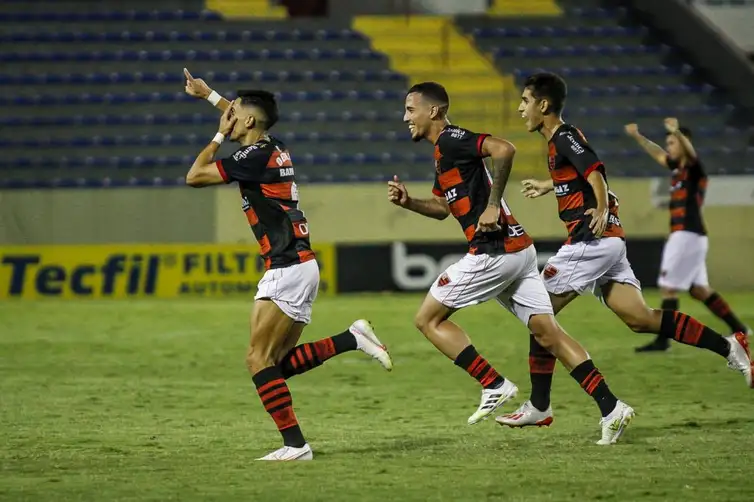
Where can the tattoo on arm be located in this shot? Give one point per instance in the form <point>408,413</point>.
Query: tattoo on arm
<point>501,170</point>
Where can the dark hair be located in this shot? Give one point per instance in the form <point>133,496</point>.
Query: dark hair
<point>548,86</point>
<point>683,130</point>
<point>432,91</point>
<point>263,100</point>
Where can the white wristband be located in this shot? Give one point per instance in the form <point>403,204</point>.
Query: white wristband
<point>219,138</point>
<point>214,98</point>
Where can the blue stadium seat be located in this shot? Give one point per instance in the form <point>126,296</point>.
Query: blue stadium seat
<point>613,71</point>
<point>323,95</point>
<point>215,77</point>
<point>180,97</point>
<point>190,119</point>
<point>558,31</point>
<point>597,12</point>
<point>115,16</point>
<point>579,51</point>
<point>305,159</point>
<point>189,55</point>
<point>192,140</point>
<point>179,36</point>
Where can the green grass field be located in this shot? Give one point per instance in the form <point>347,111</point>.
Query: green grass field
<point>150,400</point>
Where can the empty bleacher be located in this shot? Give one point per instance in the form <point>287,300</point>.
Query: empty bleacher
<point>92,93</point>
<point>618,73</point>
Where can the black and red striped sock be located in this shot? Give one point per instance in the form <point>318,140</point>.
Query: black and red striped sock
<point>687,330</point>
<point>541,368</point>
<point>592,381</point>
<point>478,367</point>
<point>721,309</point>
<point>276,399</point>
<point>308,356</point>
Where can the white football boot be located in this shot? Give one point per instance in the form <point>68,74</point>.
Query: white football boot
<point>369,344</point>
<point>527,415</point>
<point>287,453</point>
<point>615,423</point>
<point>492,399</point>
<point>739,358</point>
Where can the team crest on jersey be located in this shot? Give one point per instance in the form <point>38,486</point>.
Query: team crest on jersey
<point>549,272</point>
<point>444,280</point>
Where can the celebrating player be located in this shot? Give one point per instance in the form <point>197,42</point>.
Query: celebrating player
<point>683,258</point>
<point>593,257</point>
<point>263,168</point>
<point>501,261</point>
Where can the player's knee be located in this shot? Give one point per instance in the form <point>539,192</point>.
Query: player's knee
<point>545,330</point>
<point>700,293</point>
<point>641,322</point>
<point>257,359</point>
<point>422,321</point>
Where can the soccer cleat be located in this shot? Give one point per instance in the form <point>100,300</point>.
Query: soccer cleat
<point>615,423</point>
<point>287,453</point>
<point>492,399</point>
<point>369,344</point>
<point>659,344</point>
<point>739,358</point>
<point>527,415</point>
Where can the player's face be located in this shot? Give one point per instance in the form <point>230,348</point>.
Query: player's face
<point>673,147</point>
<point>243,122</point>
<point>417,116</point>
<point>530,109</point>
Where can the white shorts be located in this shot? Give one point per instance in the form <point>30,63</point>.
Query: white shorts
<point>511,278</point>
<point>683,261</point>
<point>292,288</point>
<point>587,266</point>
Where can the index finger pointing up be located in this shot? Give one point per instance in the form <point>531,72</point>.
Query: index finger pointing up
<point>187,75</point>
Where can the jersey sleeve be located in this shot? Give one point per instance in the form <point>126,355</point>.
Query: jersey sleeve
<point>248,164</point>
<point>573,146</point>
<point>466,147</point>
<point>436,189</point>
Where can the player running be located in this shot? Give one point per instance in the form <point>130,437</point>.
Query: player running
<point>683,258</point>
<point>501,261</point>
<point>263,168</point>
<point>593,257</point>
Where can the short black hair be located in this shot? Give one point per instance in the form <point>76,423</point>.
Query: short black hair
<point>432,91</point>
<point>683,130</point>
<point>549,86</point>
<point>263,100</point>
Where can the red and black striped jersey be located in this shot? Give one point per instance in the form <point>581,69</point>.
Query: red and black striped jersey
<point>462,178</point>
<point>687,189</point>
<point>265,176</point>
<point>571,160</point>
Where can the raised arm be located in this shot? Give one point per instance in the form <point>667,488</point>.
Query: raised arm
<point>198,88</point>
<point>436,207</point>
<point>653,149</point>
<point>673,127</point>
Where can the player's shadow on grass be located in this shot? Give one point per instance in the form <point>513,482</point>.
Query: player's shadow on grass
<point>637,434</point>
<point>393,447</point>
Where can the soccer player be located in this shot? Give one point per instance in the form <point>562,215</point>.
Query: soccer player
<point>264,170</point>
<point>683,258</point>
<point>501,262</point>
<point>593,257</point>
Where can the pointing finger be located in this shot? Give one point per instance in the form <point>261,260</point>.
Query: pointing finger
<point>187,75</point>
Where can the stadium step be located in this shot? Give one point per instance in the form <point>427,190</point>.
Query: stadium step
<point>527,8</point>
<point>239,9</point>
<point>432,48</point>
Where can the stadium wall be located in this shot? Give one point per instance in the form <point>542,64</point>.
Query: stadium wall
<point>344,214</point>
